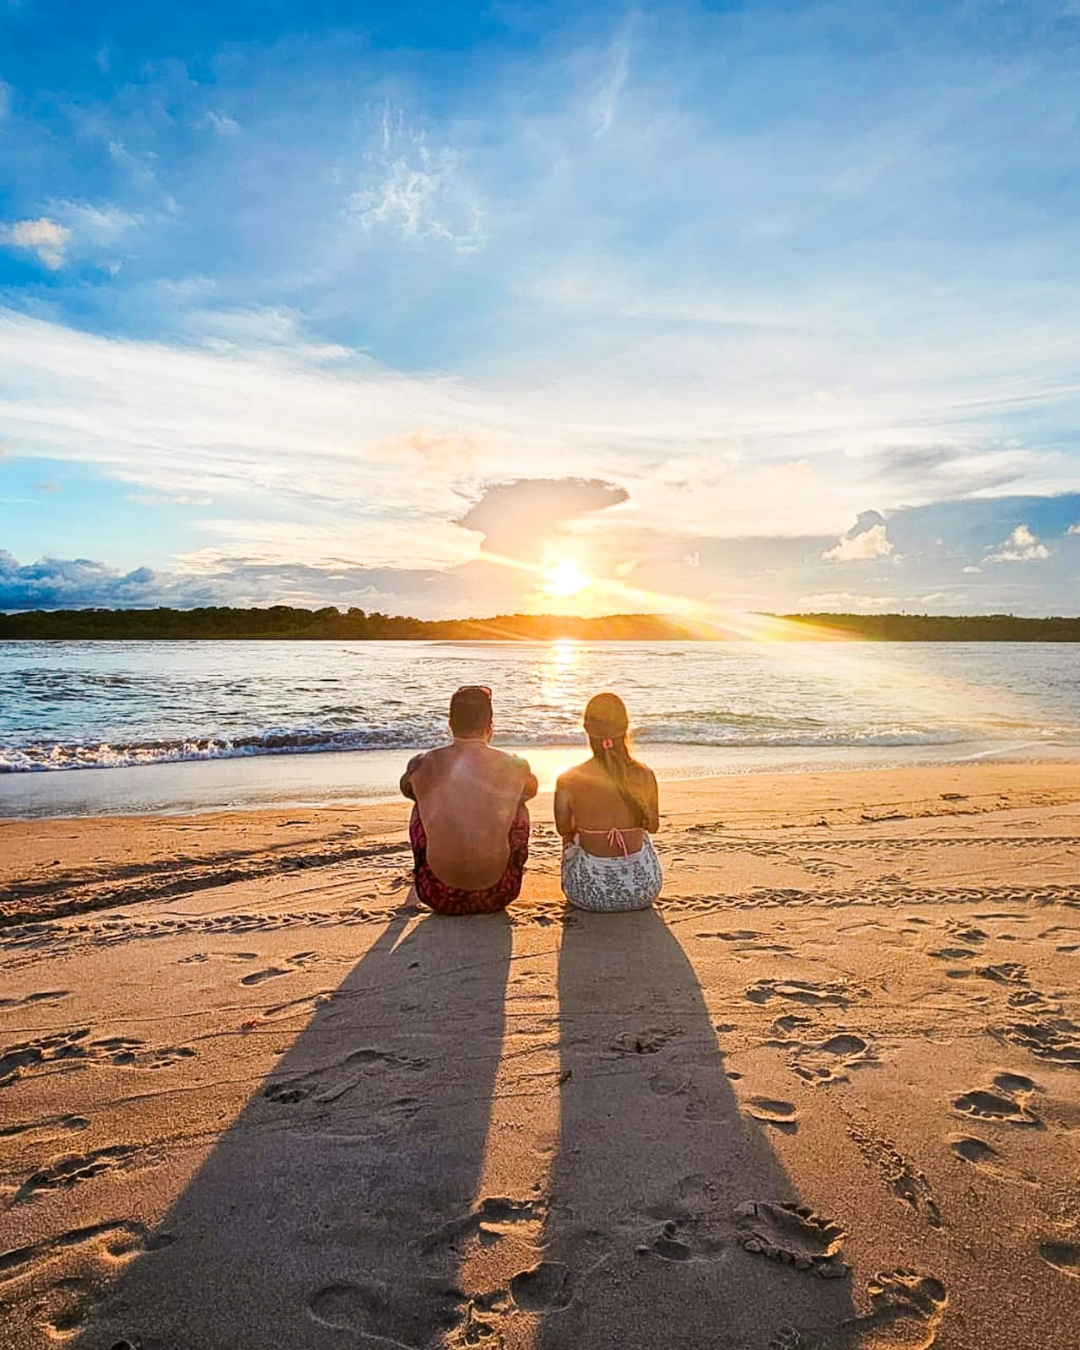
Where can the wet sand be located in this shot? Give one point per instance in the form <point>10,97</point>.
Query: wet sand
<point>827,1095</point>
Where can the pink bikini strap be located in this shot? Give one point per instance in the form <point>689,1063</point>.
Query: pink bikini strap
<point>615,839</point>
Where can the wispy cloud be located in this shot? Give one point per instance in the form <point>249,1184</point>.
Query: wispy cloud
<point>419,191</point>
<point>604,103</point>
<point>220,123</point>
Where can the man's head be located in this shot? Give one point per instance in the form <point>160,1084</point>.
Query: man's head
<point>470,712</point>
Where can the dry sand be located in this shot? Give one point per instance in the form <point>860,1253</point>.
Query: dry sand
<point>826,1095</point>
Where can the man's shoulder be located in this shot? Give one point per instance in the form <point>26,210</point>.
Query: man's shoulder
<point>508,760</point>
<point>426,761</point>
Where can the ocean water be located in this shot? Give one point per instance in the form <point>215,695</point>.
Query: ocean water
<point>313,721</point>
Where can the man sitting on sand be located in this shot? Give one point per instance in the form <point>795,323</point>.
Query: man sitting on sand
<point>470,827</point>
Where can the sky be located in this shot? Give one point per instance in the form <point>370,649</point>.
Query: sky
<point>475,309</point>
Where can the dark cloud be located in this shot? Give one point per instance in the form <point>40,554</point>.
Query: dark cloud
<point>903,460</point>
<point>865,520</point>
<point>51,583</point>
<point>76,583</point>
<point>949,467</point>
<point>515,518</point>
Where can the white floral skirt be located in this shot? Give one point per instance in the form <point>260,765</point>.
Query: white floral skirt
<point>610,885</point>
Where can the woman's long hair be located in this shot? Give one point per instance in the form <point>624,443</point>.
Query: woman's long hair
<point>608,727</point>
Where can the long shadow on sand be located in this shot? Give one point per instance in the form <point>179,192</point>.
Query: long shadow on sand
<point>643,1245</point>
<point>320,1217</point>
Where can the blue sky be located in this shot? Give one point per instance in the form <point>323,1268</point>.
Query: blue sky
<point>743,306</point>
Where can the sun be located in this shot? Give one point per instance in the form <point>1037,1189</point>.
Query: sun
<point>565,579</point>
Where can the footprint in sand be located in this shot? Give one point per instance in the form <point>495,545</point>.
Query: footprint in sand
<point>1004,1101</point>
<point>1052,1038</point>
<point>830,1061</point>
<point>493,1218</point>
<point>335,1080</point>
<point>966,933</point>
<point>805,991</point>
<point>1063,1256</point>
<point>52,1053</point>
<point>63,1307</point>
<point>72,1168</point>
<point>291,966</point>
<point>45,1129</point>
<point>648,1042</point>
<point>906,1311</point>
<point>986,1159</point>
<point>383,1313</point>
<point>28,1000</point>
<point>548,1285</point>
<point>683,1239</point>
<point>1005,972</point>
<point>794,1234</point>
<point>783,1115</point>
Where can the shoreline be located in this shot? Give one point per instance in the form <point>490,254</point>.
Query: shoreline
<point>327,779</point>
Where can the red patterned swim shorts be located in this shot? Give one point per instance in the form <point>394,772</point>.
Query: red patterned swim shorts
<point>444,899</point>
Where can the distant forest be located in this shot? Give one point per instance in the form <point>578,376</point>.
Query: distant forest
<point>284,621</point>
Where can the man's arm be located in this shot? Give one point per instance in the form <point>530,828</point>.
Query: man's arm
<point>530,787</point>
<point>405,784</point>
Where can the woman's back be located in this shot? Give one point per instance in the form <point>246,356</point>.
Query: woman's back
<point>590,805</point>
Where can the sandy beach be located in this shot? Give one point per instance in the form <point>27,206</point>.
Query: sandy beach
<point>826,1095</point>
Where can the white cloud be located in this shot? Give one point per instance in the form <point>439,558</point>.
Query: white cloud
<point>1074,529</point>
<point>970,571</point>
<point>44,237</point>
<point>861,547</point>
<point>1021,546</point>
<point>421,193</point>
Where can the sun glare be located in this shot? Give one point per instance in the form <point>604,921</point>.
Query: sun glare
<point>565,579</point>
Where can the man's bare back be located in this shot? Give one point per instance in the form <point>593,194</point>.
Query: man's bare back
<point>468,796</point>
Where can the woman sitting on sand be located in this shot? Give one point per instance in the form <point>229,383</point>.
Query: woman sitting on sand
<point>605,810</point>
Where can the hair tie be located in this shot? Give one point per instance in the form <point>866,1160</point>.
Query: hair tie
<point>607,743</point>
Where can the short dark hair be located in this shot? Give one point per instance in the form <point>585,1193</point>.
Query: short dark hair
<point>470,710</point>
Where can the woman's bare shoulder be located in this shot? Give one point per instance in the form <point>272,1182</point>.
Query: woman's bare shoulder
<point>575,774</point>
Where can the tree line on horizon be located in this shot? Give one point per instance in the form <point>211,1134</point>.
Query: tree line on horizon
<point>277,622</point>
